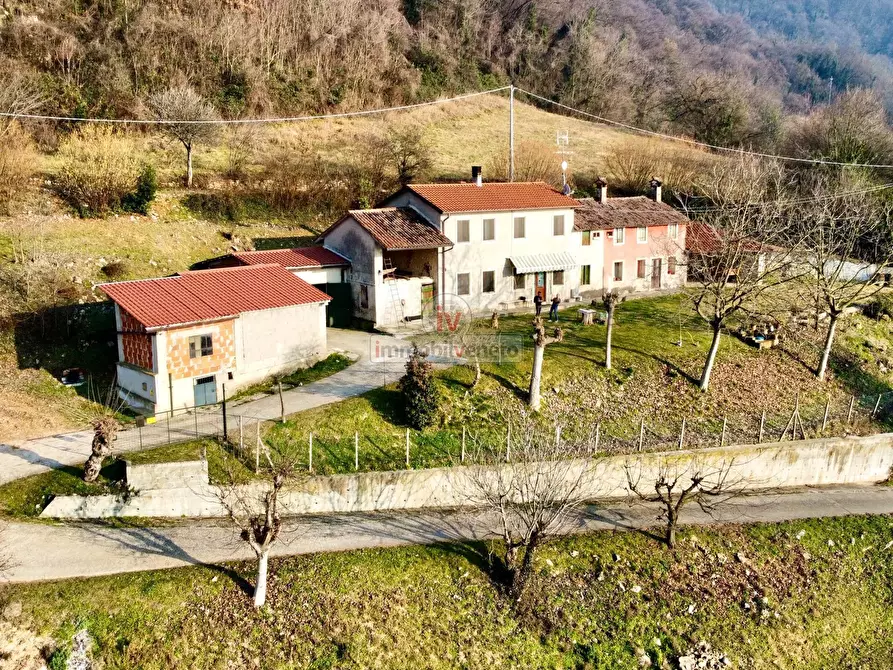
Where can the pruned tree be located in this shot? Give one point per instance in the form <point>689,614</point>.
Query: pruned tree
<point>540,342</point>
<point>849,249</point>
<point>740,248</point>
<point>256,509</point>
<point>105,429</point>
<point>188,118</point>
<point>610,300</point>
<point>673,483</point>
<point>526,487</point>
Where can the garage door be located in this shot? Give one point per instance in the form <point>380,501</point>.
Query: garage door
<point>205,391</point>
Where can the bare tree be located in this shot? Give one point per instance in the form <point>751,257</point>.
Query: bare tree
<point>527,487</point>
<point>105,429</point>
<point>19,94</point>
<point>196,116</point>
<point>405,150</point>
<point>673,483</point>
<point>740,248</point>
<point>610,300</point>
<point>256,511</point>
<point>848,251</point>
<point>540,342</point>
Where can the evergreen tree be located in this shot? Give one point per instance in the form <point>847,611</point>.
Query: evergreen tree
<point>421,398</point>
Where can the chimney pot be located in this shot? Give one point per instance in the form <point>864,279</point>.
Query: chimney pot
<point>602,186</point>
<point>477,175</point>
<point>656,187</point>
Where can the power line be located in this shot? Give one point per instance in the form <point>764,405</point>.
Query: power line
<point>283,119</point>
<point>714,147</point>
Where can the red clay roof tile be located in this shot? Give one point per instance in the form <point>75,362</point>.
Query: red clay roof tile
<point>303,257</point>
<point>206,295</point>
<point>492,197</point>
<point>397,228</point>
<point>625,213</point>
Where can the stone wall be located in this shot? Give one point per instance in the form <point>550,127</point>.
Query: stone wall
<point>855,460</point>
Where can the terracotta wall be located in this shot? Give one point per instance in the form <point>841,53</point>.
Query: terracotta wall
<point>180,366</point>
<point>136,342</point>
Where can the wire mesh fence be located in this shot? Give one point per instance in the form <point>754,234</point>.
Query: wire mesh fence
<point>249,437</point>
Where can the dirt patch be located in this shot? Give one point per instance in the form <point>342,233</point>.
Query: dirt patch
<point>20,649</point>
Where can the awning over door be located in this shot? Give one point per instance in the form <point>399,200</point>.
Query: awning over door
<point>544,263</point>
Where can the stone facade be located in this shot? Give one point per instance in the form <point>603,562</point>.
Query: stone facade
<point>136,342</point>
<point>181,366</point>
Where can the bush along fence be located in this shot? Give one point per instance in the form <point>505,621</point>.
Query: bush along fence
<point>247,437</point>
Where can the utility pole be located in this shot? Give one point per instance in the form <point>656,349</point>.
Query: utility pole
<point>830,89</point>
<point>512,133</point>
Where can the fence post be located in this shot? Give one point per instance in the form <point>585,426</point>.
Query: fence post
<point>195,418</point>
<point>876,406</point>
<point>169,427</point>
<point>310,452</point>
<point>557,436</point>
<point>407,447</point>
<point>281,403</point>
<point>257,449</point>
<point>598,435</point>
<point>641,433</point>
<point>762,427</point>
<point>223,407</point>
<point>722,438</point>
<point>462,455</point>
<point>508,443</point>
<point>849,416</point>
<point>356,451</point>
<point>825,417</point>
<point>139,429</point>
<point>682,434</point>
<point>241,436</point>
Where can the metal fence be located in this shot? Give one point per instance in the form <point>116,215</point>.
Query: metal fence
<point>247,437</point>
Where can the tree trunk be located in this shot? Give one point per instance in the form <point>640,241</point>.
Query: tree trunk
<point>477,372</point>
<point>521,574</point>
<point>610,328</point>
<point>260,589</point>
<point>829,341</point>
<point>93,466</point>
<point>536,377</point>
<point>671,534</point>
<point>189,165</point>
<point>711,357</point>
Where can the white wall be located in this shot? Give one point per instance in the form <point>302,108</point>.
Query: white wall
<point>274,340</point>
<point>320,275</point>
<point>351,241</point>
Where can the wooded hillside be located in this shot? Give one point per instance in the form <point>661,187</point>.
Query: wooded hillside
<point>677,65</point>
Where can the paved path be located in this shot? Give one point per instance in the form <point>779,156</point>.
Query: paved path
<point>42,454</point>
<point>42,551</point>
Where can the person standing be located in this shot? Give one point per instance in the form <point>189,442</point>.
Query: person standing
<point>538,304</point>
<point>553,310</point>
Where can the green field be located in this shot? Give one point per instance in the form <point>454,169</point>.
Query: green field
<point>768,596</point>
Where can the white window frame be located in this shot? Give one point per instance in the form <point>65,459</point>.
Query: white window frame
<point>673,231</point>
<point>458,286</point>
<point>523,220</point>
<point>483,273</point>
<point>459,223</point>
<point>614,273</point>
<point>484,237</point>
<point>642,235</point>
<point>645,261</point>
<point>619,234</point>
<point>555,223</point>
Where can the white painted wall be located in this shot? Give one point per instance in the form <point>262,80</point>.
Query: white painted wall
<point>317,276</point>
<point>274,340</point>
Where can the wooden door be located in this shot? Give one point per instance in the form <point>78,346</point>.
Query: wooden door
<point>656,271</point>
<point>541,285</point>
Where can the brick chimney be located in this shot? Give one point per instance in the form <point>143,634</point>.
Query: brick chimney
<point>602,186</point>
<point>656,190</point>
<point>477,175</point>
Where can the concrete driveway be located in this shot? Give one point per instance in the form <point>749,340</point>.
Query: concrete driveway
<point>367,373</point>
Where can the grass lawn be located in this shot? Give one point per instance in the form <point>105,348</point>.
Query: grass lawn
<point>801,595</point>
<point>659,348</point>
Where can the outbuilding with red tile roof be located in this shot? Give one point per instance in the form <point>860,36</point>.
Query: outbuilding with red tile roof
<point>183,339</point>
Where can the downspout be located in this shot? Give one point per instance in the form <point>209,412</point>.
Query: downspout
<point>443,266</point>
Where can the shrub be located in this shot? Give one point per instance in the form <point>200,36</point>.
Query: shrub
<point>146,186</point>
<point>99,170</point>
<point>421,398</point>
<point>17,160</point>
<point>880,306</point>
<point>115,270</point>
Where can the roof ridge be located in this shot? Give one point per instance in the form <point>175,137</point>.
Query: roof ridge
<point>242,268</point>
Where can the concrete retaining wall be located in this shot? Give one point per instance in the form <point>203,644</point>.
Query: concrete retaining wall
<point>864,460</point>
<point>179,475</point>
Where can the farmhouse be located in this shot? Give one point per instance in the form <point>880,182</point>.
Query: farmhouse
<point>494,246</point>
<point>182,338</point>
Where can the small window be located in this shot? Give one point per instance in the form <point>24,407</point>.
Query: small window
<point>520,227</point>
<point>463,283</point>
<point>671,265</point>
<point>585,275</point>
<point>489,232</point>
<point>618,271</point>
<point>520,281</point>
<point>364,297</point>
<point>641,234</point>
<point>200,345</point>
<point>488,283</point>
<point>558,278</point>
<point>619,235</point>
<point>673,231</point>
<point>145,386</point>
<point>558,225</point>
<point>463,232</point>
<point>586,236</point>
<point>640,269</point>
